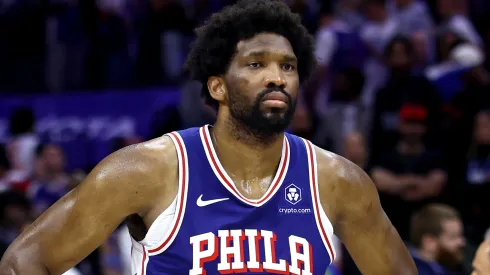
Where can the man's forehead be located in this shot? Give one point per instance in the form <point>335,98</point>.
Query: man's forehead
<point>451,226</point>
<point>265,43</point>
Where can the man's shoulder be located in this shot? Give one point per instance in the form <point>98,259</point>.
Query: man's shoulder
<point>343,185</point>
<point>336,168</point>
<point>139,162</point>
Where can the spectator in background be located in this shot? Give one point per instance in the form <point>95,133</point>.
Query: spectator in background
<point>454,19</point>
<point>14,214</point>
<point>345,112</point>
<point>349,11</point>
<point>411,174</point>
<point>445,74</point>
<point>413,17</point>
<point>325,48</point>
<point>22,144</point>
<point>477,187</point>
<point>50,181</point>
<point>436,233</point>
<point>459,112</point>
<point>402,87</point>
<point>338,47</point>
<point>415,22</point>
<point>376,33</point>
<point>4,168</point>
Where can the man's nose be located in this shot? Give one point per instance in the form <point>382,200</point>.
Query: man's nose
<point>274,78</point>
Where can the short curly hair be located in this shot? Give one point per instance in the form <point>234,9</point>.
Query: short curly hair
<point>217,39</point>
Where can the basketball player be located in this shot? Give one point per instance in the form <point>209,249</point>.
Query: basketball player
<point>237,197</point>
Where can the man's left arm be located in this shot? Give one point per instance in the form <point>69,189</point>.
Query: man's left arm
<point>359,220</point>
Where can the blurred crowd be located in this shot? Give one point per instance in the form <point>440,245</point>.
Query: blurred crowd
<point>401,89</point>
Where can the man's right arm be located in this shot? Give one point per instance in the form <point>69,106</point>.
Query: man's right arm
<point>122,184</point>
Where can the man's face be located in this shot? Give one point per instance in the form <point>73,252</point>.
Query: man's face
<point>262,84</point>
<point>451,243</point>
<point>53,158</point>
<point>412,131</point>
<point>15,215</point>
<point>399,58</point>
<point>482,128</point>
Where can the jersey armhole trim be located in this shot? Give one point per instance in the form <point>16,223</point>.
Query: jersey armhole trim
<point>324,225</point>
<point>181,198</point>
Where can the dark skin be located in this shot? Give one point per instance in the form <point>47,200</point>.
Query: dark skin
<point>141,181</point>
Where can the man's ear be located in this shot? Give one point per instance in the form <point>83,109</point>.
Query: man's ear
<point>217,88</point>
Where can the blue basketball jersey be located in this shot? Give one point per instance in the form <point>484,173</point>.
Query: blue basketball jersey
<point>213,229</point>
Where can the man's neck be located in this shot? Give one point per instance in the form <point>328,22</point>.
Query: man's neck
<point>243,156</point>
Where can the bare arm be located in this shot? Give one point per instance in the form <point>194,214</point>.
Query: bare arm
<point>121,185</point>
<point>359,221</point>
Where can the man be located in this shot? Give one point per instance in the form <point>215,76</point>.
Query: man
<point>377,33</point>
<point>50,181</point>
<point>14,214</point>
<point>437,235</point>
<point>209,200</point>
<point>411,174</point>
<point>22,144</point>
<point>403,86</point>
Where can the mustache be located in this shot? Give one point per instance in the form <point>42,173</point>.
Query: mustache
<point>267,91</point>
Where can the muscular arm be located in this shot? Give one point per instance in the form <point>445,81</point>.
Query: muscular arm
<point>121,185</point>
<point>350,199</point>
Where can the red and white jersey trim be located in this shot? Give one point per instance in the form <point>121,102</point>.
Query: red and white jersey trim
<point>140,259</point>
<point>226,180</point>
<point>323,223</point>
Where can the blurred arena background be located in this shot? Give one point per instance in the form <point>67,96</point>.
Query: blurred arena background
<point>401,89</point>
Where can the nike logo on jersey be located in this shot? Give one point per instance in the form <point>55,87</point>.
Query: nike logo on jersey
<point>228,249</point>
<point>201,203</point>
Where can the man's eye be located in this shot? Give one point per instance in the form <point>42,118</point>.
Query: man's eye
<point>288,67</point>
<point>254,65</point>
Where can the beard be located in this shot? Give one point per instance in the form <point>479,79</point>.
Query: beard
<point>449,259</point>
<point>263,125</point>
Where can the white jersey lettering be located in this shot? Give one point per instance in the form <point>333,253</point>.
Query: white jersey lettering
<point>270,264</point>
<point>253,237</point>
<point>200,255</point>
<point>298,257</point>
<point>230,245</point>
<point>235,251</point>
